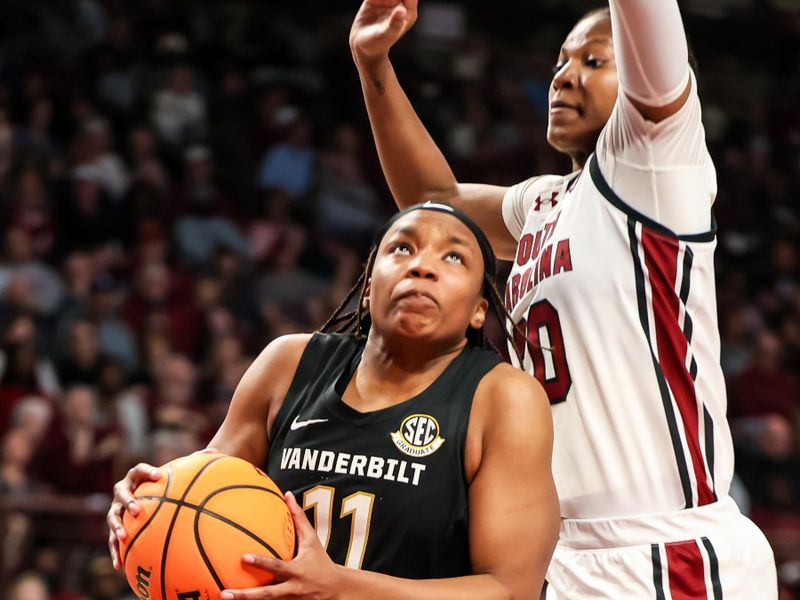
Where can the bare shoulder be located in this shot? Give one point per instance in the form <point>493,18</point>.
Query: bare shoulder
<point>287,349</point>
<point>275,367</point>
<point>510,418</point>
<point>509,401</point>
<point>258,397</point>
<point>508,389</point>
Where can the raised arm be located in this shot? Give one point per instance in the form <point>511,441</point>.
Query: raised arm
<point>415,168</point>
<point>652,55</point>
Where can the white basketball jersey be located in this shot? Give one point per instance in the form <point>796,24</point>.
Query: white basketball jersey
<point>616,316</point>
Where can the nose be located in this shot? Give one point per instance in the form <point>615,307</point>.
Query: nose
<point>421,266</point>
<point>566,77</point>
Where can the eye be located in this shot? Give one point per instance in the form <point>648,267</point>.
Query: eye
<point>558,68</point>
<point>594,63</point>
<point>401,248</point>
<point>454,257</point>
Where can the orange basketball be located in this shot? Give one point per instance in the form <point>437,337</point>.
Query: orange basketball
<point>196,522</point>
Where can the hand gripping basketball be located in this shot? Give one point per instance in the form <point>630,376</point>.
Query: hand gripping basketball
<point>125,500</point>
<point>311,574</point>
<point>194,523</point>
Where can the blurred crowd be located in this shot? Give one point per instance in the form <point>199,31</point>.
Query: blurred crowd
<point>182,182</point>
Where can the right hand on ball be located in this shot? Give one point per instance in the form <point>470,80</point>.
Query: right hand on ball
<point>124,500</point>
<point>379,24</point>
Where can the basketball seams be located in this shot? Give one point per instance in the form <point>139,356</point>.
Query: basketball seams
<point>200,509</point>
<point>163,571</point>
<point>161,500</point>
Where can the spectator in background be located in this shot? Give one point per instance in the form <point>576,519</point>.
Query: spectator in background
<point>99,163</point>
<point>22,370</point>
<point>33,415</point>
<point>158,291</point>
<point>118,80</point>
<point>203,229</point>
<point>349,209</point>
<point>7,142</point>
<point>28,586</point>
<point>83,361</point>
<point>273,228</point>
<point>25,281</point>
<point>169,444</point>
<point>30,210</point>
<point>174,402</point>
<point>767,389</point>
<point>87,220</point>
<point>765,421</point>
<point>179,110</point>
<point>114,336</point>
<point>146,167</point>
<point>37,137</point>
<point>102,582</point>
<point>290,165</point>
<point>16,452</point>
<point>79,453</point>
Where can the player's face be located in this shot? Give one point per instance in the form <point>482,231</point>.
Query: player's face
<point>427,278</point>
<point>584,88</point>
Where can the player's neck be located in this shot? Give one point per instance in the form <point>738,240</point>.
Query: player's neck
<point>388,375</point>
<point>579,160</point>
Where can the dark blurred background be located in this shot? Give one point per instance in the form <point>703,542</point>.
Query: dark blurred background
<point>181,182</point>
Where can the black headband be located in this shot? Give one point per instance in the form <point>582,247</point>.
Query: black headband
<point>480,237</point>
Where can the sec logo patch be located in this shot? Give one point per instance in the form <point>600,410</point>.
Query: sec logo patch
<point>418,436</point>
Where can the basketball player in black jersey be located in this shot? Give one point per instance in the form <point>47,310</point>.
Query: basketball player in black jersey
<point>423,460</point>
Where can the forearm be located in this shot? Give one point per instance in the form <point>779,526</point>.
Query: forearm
<point>651,49</point>
<point>367,585</point>
<point>414,167</point>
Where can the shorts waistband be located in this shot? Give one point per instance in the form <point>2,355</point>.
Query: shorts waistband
<point>585,534</point>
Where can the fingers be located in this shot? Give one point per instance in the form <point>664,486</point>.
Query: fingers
<point>144,472</point>
<point>385,3</point>
<point>281,590</point>
<point>123,490</point>
<point>282,569</point>
<point>305,531</point>
<point>113,549</point>
<point>123,496</point>
<point>397,19</point>
<point>114,520</point>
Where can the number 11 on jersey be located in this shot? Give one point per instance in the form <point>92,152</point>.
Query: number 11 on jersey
<point>357,506</point>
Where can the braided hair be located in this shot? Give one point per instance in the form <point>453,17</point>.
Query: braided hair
<point>358,321</point>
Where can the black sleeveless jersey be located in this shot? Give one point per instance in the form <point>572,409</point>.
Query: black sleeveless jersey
<point>385,489</point>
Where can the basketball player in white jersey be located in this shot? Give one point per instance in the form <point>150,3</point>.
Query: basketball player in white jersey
<point>612,292</point>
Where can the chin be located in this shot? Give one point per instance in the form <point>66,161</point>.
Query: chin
<point>414,327</point>
<point>559,139</point>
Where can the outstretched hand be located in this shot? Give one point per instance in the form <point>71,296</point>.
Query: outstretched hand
<point>379,24</point>
<point>311,574</point>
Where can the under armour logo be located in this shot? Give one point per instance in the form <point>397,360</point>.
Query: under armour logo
<point>539,201</point>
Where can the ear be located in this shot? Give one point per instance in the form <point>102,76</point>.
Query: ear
<point>367,292</point>
<point>479,314</point>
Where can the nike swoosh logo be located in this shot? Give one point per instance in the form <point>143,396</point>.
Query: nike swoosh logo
<point>300,424</point>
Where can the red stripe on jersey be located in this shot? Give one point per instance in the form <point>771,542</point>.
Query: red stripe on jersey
<point>687,577</point>
<point>661,258</point>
